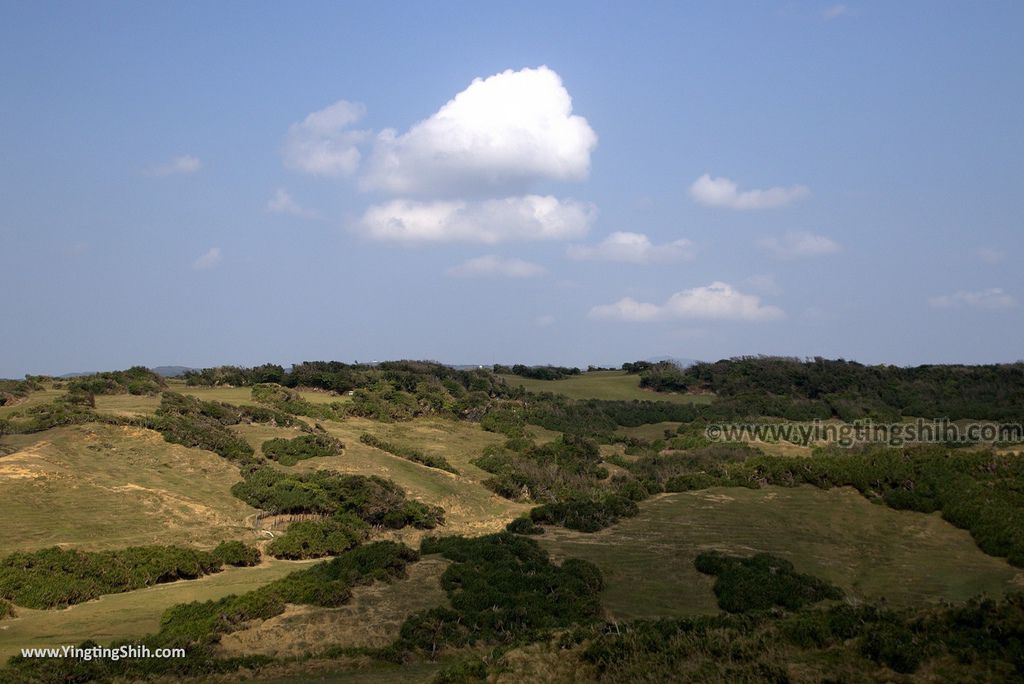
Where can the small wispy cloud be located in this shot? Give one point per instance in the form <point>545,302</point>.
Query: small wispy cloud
<point>989,255</point>
<point>544,321</point>
<point>323,144</point>
<point>799,244</point>
<point>992,298</point>
<point>723,192</point>
<point>208,260</point>
<point>184,164</point>
<point>491,266</point>
<point>834,12</point>
<point>283,203</point>
<point>634,248</point>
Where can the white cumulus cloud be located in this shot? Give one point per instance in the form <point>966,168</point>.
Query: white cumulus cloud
<point>798,244</point>
<point>635,248</point>
<point>283,203</point>
<point>179,165</point>
<point>323,144</point>
<point>992,298</point>
<point>498,136</point>
<point>208,260</point>
<point>491,266</point>
<point>722,192</point>
<point>715,301</point>
<point>531,217</point>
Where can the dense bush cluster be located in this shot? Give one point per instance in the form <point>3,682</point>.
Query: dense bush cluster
<point>12,391</point>
<point>761,582</point>
<point>502,588</point>
<point>373,499</point>
<point>664,377</point>
<point>408,453</point>
<point>290,451</point>
<point>982,640</point>
<point>73,409</point>
<point>192,422</point>
<point>237,554</point>
<point>565,469</point>
<point>56,577</point>
<point>586,515</point>
<point>319,538</point>
<point>538,372</point>
<point>135,380</point>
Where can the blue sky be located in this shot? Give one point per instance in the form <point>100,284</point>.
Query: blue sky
<point>533,182</point>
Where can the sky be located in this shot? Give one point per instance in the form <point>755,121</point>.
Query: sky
<point>570,183</point>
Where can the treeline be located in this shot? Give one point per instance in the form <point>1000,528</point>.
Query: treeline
<point>373,499</point>
<point>851,390</point>
<point>55,577</point>
<point>408,453</point>
<point>336,376</point>
<point>537,372</point>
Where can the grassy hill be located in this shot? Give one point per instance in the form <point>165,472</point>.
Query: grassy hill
<point>872,552</point>
<point>105,487</point>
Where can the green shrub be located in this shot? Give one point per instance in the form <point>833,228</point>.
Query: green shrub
<point>586,515</point>
<point>57,577</point>
<point>524,526</point>
<point>290,451</point>
<point>761,582</point>
<point>319,538</point>
<point>373,499</point>
<point>237,554</point>
<point>502,588</point>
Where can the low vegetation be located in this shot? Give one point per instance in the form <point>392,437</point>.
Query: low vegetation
<point>290,451</point>
<point>503,588</point>
<point>319,538</point>
<point>982,640</point>
<point>373,499</point>
<point>408,453</point>
<point>761,582</point>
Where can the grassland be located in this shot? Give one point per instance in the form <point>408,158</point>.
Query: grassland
<point>871,551</point>
<point>603,385</point>
<point>132,614</point>
<point>43,396</point>
<point>242,396</point>
<point>105,487</point>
